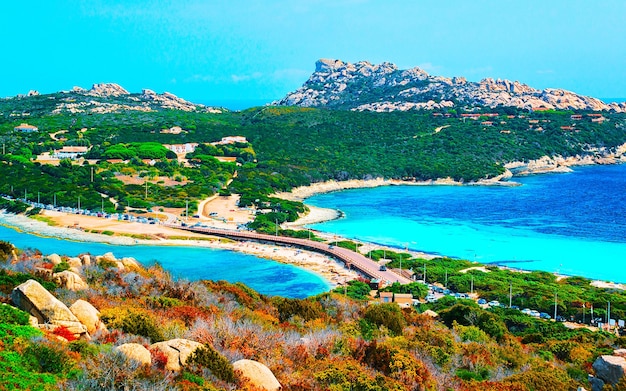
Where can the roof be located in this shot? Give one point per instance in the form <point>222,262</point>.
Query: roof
<point>404,296</point>
<point>73,149</point>
<point>386,294</point>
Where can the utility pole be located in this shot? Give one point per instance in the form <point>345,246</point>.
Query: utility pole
<point>92,174</point>
<point>608,313</point>
<point>146,194</point>
<point>102,207</point>
<point>38,199</point>
<point>555,304</point>
<point>276,219</point>
<point>79,203</point>
<point>510,294</point>
<point>424,271</point>
<point>186,209</point>
<point>25,198</point>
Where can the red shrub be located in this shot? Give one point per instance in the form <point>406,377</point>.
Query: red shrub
<point>159,359</point>
<point>64,332</point>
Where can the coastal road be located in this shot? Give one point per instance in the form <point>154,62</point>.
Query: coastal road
<point>350,258</point>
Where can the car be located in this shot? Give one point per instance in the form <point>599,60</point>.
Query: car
<point>431,298</point>
<point>526,311</point>
<point>494,303</point>
<point>382,268</point>
<point>514,307</point>
<point>482,301</point>
<point>544,315</point>
<point>535,313</point>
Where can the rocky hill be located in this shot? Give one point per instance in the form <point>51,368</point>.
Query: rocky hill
<point>383,87</point>
<point>105,98</point>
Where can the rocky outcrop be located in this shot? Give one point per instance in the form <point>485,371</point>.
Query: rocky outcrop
<point>34,299</point>
<point>70,280</point>
<point>122,264</point>
<point>88,315</point>
<point>104,90</point>
<point>257,374</point>
<point>137,352</point>
<point>609,369</point>
<point>167,100</point>
<point>365,86</point>
<point>177,351</point>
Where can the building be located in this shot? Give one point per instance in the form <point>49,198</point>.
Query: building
<point>181,148</point>
<point>70,152</point>
<point>386,297</point>
<point>404,300</point>
<point>231,140</point>
<point>26,128</point>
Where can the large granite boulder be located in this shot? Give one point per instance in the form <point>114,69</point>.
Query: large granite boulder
<point>177,351</point>
<point>257,374</point>
<point>70,280</point>
<point>88,315</point>
<point>610,368</point>
<point>137,352</point>
<point>34,299</point>
<point>55,259</point>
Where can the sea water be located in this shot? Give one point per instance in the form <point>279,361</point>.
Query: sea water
<point>191,263</point>
<point>569,223</point>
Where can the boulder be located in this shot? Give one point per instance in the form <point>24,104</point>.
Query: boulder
<point>257,374</point>
<point>596,383</point>
<point>610,368</point>
<point>88,315</point>
<point>130,263</point>
<point>177,351</point>
<point>54,258</point>
<point>619,352</point>
<point>75,262</point>
<point>70,280</point>
<point>34,299</point>
<point>85,259</point>
<point>137,352</point>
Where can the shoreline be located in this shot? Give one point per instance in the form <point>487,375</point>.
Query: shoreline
<point>331,271</point>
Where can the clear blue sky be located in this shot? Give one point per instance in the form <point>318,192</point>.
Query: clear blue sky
<point>208,51</point>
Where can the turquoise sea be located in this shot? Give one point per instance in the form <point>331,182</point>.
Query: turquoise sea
<point>570,223</point>
<point>192,263</point>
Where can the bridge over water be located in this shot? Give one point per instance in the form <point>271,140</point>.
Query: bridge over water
<point>350,258</point>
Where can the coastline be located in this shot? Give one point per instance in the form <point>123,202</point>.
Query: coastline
<point>329,269</point>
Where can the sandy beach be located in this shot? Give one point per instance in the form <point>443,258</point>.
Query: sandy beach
<point>331,270</point>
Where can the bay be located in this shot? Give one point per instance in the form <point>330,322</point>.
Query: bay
<point>192,263</point>
<point>569,223</point>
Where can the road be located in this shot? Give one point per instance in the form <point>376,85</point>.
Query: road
<point>350,258</point>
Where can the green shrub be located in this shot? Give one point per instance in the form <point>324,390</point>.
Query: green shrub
<point>61,267</point>
<point>386,314</point>
<point>12,315</point>
<point>306,309</point>
<point>209,358</point>
<point>48,357</point>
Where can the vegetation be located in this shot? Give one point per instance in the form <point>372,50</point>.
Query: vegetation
<point>325,342</point>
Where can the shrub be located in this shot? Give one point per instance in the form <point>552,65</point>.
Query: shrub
<point>64,332</point>
<point>12,315</point>
<point>61,267</point>
<point>386,314</point>
<point>133,322</point>
<point>45,356</point>
<point>209,358</point>
<point>306,309</point>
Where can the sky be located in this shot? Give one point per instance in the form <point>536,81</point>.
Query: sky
<point>237,50</point>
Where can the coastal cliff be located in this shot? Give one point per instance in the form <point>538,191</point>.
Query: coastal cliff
<point>363,86</point>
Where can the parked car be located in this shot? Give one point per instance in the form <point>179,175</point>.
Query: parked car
<point>482,301</point>
<point>526,311</point>
<point>544,315</point>
<point>494,303</point>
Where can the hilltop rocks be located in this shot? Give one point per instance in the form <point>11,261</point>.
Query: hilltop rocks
<point>70,280</point>
<point>177,351</point>
<point>364,86</point>
<point>106,90</point>
<point>34,299</point>
<point>257,374</point>
<point>167,100</point>
<point>88,315</point>
<point>55,259</point>
<point>137,352</point>
<point>122,264</point>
